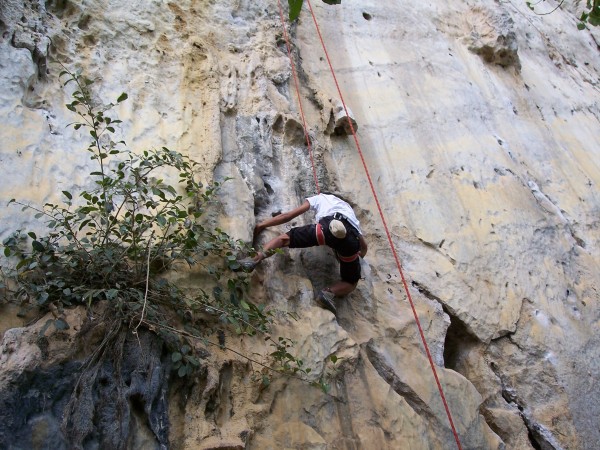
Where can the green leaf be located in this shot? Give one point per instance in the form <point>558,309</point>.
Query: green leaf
<point>38,246</point>
<point>84,223</point>
<point>68,195</point>
<point>23,263</point>
<point>122,97</point>
<point>43,298</point>
<point>594,17</point>
<point>333,2</point>
<point>295,7</point>
<point>6,252</point>
<point>333,358</point>
<point>176,356</point>
<point>182,372</point>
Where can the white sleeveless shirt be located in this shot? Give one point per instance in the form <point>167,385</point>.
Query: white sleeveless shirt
<point>327,205</point>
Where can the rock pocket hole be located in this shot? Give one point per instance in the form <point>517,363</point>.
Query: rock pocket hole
<point>459,342</point>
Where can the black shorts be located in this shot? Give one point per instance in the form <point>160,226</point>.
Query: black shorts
<point>306,236</point>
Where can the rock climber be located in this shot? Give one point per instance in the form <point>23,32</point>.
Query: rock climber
<point>337,227</point>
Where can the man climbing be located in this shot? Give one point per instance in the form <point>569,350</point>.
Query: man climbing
<point>336,227</point>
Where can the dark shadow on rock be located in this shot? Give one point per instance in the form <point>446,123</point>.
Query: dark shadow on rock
<point>120,403</point>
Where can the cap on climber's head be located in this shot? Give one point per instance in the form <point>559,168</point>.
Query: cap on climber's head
<point>337,228</point>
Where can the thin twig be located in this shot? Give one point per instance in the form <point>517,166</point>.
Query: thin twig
<point>190,335</point>
<point>147,284</point>
<point>550,12</point>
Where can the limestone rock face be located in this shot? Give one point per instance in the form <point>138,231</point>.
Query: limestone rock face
<point>478,123</point>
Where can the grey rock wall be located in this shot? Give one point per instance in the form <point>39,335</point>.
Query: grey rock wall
<point>478,123</point>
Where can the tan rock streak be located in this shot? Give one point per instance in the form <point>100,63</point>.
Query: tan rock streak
<point>478,122</point>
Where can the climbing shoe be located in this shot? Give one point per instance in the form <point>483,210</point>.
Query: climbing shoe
<point>247,264</point>
<point>325,300</point>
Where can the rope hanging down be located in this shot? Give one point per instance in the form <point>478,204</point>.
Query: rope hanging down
<point>289,49</point>
<point>379,208</point>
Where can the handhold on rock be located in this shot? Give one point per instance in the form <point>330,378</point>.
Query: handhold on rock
<point>493,37</point>
<point>339,124</point>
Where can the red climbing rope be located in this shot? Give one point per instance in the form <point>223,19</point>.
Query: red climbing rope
<point>289,49</point>
<point>396,258</point>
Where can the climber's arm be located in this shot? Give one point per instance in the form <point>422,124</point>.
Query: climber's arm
<point>282,218</point>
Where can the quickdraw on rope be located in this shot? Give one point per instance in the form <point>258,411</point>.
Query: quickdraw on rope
<point>379,208</point>
<point>289,49</point>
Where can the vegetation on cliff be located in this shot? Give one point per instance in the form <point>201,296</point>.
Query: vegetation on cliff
<point>117,241</point>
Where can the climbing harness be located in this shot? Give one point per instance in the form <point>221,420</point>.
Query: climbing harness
<point>320,235</point>
<point>347,259</point>
<point>379,208</point>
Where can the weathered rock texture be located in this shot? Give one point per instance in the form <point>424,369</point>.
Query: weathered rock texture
<point>479,124</point>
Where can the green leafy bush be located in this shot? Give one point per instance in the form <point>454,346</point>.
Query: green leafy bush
<point>113,243</point>
<point>295,6</point>
<point>591,14</point>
